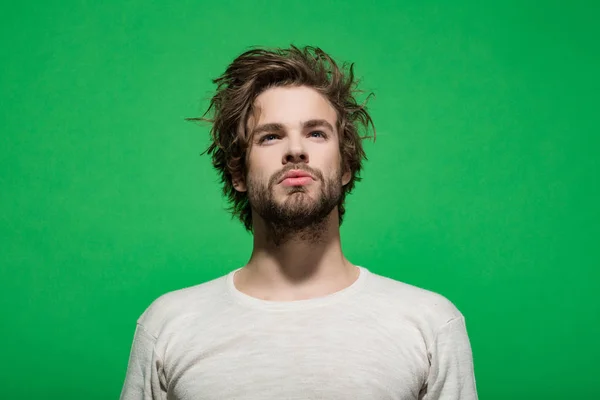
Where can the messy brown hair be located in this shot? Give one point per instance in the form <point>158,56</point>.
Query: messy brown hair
<point>253,72</point>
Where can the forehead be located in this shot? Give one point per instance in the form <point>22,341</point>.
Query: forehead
<point>292,106</point>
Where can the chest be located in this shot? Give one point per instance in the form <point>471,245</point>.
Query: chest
<point>294,358</point>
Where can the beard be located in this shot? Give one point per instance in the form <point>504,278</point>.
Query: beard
<point>298,216</point>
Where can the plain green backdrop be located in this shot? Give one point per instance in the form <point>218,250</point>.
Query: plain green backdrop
<point>482,184</point>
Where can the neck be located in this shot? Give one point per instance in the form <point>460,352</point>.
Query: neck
<point>300,264</point>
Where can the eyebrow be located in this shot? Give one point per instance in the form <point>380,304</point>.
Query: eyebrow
<point>277,127</point>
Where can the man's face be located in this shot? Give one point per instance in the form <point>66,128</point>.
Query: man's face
<point>294,132</point>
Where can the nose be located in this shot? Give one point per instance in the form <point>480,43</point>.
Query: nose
<point>295,153</point>
<point>295,157</point>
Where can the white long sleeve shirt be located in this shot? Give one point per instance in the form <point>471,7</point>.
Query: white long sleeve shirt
<point>376,339</point>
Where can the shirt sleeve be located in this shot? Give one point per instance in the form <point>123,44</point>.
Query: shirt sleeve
<point>451,373</point>
<point>144,379</point>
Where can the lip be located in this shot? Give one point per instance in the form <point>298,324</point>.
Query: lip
<point>296,173</point>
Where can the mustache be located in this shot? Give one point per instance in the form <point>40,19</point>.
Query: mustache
<point>279,175</point>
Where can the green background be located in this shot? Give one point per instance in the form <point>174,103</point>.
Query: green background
<point>482,184</point>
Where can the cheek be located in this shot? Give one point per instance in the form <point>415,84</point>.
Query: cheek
<point>337,162</point>
<point>259,173</point>
<point>261,160</point>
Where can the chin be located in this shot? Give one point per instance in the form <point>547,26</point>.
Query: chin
<point>296,195</point>
<point>298,192</point>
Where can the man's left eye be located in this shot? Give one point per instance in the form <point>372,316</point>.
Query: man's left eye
<point>317,134</point>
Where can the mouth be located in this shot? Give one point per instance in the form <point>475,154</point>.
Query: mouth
<point>296,178</point>
<point>299,181</point>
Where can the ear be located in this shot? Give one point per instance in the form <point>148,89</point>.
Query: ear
<point>346,176</point>
<point>239,183</point>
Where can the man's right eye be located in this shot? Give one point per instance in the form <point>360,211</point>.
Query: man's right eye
<point>268,137</point>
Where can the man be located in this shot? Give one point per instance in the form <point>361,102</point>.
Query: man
<point>299,320</point>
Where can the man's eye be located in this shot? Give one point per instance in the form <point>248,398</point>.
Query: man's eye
<point>317,134</point>
<point>268,138</point>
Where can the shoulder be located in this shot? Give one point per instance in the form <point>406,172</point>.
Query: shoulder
<point>176,304</point>
<point>419,304</point>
